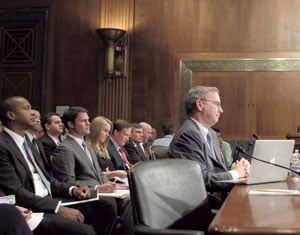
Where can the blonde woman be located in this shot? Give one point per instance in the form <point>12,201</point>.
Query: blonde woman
<point>100,131</point>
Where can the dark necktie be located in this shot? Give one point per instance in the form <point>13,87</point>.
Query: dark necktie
<point>30,158</point>
<point>34,142</point>
<point>123,155</point>
<point>141,152</point>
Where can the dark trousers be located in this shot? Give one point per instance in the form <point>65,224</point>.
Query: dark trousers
<point>12,222</point>
<point>126,216</point>
<point>100,217</point>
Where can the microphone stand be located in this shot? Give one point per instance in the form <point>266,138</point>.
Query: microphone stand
<point>242,150</point>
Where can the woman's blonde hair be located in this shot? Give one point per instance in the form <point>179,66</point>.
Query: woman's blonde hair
<point>96,127</point>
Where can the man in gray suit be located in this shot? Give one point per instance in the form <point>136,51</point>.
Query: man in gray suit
<point>74,161</point>
<point>196,140</point>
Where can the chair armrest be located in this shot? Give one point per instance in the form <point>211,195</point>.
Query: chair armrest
<point>145,230</point>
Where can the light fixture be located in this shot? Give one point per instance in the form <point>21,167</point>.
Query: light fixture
<point>115,52</point>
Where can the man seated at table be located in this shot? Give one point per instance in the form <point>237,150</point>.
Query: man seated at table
<point>196,140</point>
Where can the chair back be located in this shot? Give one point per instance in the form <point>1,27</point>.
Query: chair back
<point>166,190</point>
<point>158,152</point>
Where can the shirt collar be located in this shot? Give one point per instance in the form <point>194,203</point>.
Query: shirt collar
<point>115,144</point>
<point>19,140</point>
<point>79,140</point>
<point>203,130</point>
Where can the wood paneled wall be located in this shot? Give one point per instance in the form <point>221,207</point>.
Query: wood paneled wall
<point>158,31</point>
<point>165,29</point>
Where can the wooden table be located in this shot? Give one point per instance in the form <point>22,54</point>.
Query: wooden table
<point>242,213</point>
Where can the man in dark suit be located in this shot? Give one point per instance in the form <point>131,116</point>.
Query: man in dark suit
<point>75,162</point>
<point>196,140</point>
<point>22,173</point>
<point>118,154</point>
<point>53,128</point>
<point>133,146</point>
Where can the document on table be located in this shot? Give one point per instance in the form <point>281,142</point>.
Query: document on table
<point>267,191</point>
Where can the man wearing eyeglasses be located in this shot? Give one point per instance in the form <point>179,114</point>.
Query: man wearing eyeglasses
<point>195,140</point>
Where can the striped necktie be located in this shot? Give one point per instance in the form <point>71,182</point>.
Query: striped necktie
<point>210,144</point>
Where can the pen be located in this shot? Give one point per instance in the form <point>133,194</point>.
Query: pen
<point>276,191</point>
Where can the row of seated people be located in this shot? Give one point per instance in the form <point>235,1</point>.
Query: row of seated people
<point>73,169</point>
<point>23,174</point>
<point>118,145</point>
<point>50,148</point>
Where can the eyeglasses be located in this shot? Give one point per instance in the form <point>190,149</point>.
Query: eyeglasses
<point>216,103</point>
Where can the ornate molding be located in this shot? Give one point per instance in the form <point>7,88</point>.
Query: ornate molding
<point>188,66</point>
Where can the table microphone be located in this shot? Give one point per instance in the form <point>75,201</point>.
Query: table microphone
<point>256,136</point>
<point>242,150</point>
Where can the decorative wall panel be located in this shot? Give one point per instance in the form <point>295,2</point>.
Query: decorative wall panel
<point>23,47</point>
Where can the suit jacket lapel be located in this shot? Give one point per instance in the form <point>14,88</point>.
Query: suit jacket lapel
<point>219,160</point>
<point>17,153</point>
<point>217,150</point>
<point>82,154</point>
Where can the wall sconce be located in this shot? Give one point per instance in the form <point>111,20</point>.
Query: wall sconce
<point>115,62</point>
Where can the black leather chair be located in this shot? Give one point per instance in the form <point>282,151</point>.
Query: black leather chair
<point>158,152</point>
<point>168,196</point>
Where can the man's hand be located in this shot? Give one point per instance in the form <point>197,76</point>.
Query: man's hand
<point>81,192</point>
<point>26,213</point>
<point>71,213</point>
<point>108,187</point>
<point>242,167</point>
<point>120,173</point>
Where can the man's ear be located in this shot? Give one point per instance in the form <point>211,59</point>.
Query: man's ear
<point>199,105</point>
<point>70,124</point>
<point>47,126</point>
<point>10,115</point>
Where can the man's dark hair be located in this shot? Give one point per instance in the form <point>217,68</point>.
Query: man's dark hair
<point>120,124</point>
<point>71,114</point>
<point>168,128</point>
<point>47,119</point>
<point>7,105</point>
<point>135,125</point>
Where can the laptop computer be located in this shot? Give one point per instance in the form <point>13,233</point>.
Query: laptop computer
<point>274,151</point>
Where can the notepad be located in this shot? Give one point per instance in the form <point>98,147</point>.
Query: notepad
<point>119,193</point>
<point>268,191</point>
<point>35,220</point>
<point>93,197</point>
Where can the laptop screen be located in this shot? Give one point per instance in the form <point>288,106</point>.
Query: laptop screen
<point>274,151</point>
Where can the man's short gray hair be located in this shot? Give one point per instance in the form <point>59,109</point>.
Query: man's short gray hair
<point>195,93</point>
